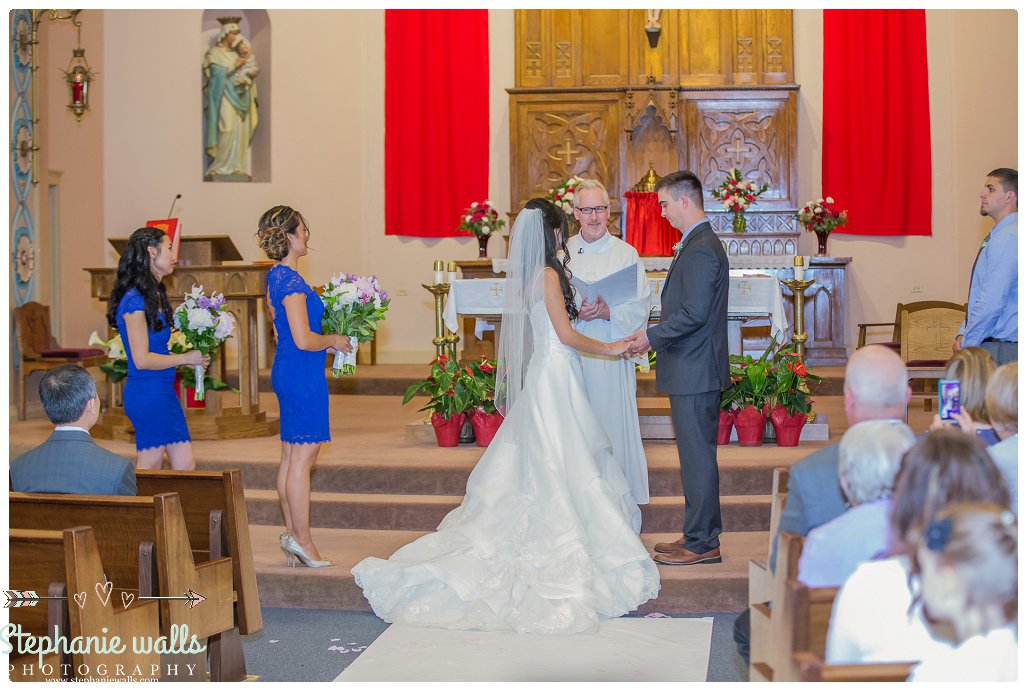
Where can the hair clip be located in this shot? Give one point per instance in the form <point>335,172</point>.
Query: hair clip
<point>938,534</point>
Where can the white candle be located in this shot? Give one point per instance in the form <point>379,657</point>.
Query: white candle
<point>439,276</point>
<point>452,277</point>
<point>797,271</point>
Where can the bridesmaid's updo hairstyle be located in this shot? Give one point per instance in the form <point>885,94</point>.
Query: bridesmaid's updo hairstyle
<point>274,226</point>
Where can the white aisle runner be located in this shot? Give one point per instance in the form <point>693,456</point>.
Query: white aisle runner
<point>625,649</point>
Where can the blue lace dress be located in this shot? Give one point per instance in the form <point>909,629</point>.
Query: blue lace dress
<point>297,376</point>
<point>150,400</point>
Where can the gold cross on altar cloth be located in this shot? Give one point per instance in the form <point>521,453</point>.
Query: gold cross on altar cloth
<point>738,150</point>
<point>496,289</point>
<point>743,287</point>
<point>567,152</point>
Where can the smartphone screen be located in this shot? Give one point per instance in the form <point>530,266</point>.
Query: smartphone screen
<point>948,398</point>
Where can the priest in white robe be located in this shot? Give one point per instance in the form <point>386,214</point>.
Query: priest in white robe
<point>610,382</point>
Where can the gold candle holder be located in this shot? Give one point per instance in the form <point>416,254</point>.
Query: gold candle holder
<point>439,289</point>
<point>798,288</point>
<point>450,338</point>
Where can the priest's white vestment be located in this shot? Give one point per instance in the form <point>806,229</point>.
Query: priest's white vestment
<point>610,381</point>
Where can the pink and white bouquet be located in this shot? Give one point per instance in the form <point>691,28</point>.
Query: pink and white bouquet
<point>563,194</point>
<point>819,217</point>
<point>736,194</point>
<point>353,307</point>
<point>481,220</point>
<point>205,324</point>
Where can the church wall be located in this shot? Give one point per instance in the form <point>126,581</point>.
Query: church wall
<point>327,155</point>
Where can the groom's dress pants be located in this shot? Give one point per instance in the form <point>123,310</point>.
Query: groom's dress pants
<point>695,418</point>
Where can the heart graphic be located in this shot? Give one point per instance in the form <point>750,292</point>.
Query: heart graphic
<point>103,591</point>
<point>80,599</point>
<point>126,598</point>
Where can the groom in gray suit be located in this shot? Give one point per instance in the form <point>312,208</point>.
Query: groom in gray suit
<point>691,363</point>
<point>70,462</point>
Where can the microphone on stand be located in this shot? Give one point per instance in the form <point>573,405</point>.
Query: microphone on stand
<point>177,197</point>
<point>581,250</point>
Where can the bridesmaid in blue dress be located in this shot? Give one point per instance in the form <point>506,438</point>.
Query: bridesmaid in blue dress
<point>140,311</point>
<point>297,375</point>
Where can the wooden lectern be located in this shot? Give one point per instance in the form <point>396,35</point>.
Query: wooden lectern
<point>242,285</point>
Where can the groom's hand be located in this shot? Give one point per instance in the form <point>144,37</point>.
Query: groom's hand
<point>639,343</point>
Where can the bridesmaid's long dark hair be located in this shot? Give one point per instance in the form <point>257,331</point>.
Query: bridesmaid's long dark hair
<point>554,218</point>
<point>134,272</point>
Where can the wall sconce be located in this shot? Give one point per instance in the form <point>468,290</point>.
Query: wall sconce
<point>78,77</point>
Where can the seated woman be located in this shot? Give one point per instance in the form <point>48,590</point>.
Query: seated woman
<point>877,617</point>
<point>972,367</point>
<point>868,461</point>
<point>967,567</point>
<point>1001,402</point>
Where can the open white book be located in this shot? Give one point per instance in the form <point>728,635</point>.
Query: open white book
<point>620,286</point>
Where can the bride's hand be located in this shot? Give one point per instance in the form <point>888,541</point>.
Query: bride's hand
<point>619,347</point>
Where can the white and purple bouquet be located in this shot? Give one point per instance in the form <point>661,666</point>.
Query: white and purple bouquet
<point>205,325</point>
<point>353,307</point>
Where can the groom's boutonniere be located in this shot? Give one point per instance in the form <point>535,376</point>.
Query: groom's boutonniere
<point>677,246</point>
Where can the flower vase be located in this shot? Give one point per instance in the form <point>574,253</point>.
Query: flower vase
<point>485,425</point>
<point>749,423</point>
<point>738,222</point>
<point>787,427</point>
<point>822,242</point>
<point>447,430</point>
<point>727,421</point>
<point>483,246</point>
<point>345,364</point>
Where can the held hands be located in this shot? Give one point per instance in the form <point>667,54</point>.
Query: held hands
<point>961,419</point>
<point>594,310</point>
<point>638,343</point>
<point>195,357</point>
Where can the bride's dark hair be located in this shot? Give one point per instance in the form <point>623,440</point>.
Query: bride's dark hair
<point>553,218</point>
<point>134,272</point>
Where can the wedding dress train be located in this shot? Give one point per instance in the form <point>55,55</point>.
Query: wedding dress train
<point>546,538</point>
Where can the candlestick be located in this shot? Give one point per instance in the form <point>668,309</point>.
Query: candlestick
<point>451,270</point>
<point>439,275</point>
<point>797,268</point>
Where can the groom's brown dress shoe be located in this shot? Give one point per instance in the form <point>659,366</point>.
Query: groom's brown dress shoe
<point>683,557</point>
<point>670,547</point>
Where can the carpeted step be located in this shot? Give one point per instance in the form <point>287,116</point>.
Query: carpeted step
<point>684,589</point>
<point>424,512</point>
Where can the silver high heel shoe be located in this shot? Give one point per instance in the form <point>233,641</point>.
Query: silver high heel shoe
<point>293,549</point>
<point>283,541</point>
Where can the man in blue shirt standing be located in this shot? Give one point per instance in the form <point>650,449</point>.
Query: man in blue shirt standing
<point>991,309</point>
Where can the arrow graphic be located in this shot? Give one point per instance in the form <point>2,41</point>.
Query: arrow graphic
<point>193,597</point>
<point>25,598</point>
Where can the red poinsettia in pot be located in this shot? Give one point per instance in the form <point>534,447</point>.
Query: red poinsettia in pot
<point>752,388</point>
<point>448,398</point>
<point>480,378</point>
<point>792,402</point>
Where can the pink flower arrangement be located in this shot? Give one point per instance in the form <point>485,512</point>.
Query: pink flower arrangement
<point>736,194</point>
<point>563,194</point>
<point>819,217</point>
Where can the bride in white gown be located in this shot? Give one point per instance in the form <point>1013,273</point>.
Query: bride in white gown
<point>546,538</point>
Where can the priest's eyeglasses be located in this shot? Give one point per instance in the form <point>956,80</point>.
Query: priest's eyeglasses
<point>589,210</point>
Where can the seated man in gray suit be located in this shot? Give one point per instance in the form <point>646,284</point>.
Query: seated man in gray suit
<point>70,462</point>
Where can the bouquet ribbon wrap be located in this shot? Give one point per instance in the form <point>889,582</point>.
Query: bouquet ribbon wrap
<point>346,363</point>
<point>199,372</point>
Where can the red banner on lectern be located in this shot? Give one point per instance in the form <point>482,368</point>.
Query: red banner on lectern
<point>168,225</point>
<point>645,229</point>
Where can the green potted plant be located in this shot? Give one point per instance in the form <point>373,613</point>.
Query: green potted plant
<point>751,392</point>
<point>792,402</point>
<point>448,398</point>
<point>480,379</point>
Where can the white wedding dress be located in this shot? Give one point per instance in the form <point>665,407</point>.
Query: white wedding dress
<point>546,538</point>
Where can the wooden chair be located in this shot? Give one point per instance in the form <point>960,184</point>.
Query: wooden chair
<point>145,548</point>
<point>761,582</point>
<point>38,349</point>
<point>812,668</point>
<point>61,564</point>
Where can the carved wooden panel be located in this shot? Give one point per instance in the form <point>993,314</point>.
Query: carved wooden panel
<point>554,139</point>
<point>580,48</point>
<point>753,131</point>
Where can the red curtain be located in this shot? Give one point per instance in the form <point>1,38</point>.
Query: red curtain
<point>436,118</point>
<point>645,229</point>
<point>877,125</point>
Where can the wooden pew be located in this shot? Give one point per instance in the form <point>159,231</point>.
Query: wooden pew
<point>201,493</point>
<point>806,613</point>
<point>812,668</point>
<point>61,564</point>
<point>145,548</point>
<point>761,585</point>
<point>768,659</point>
<point>215,515</point>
